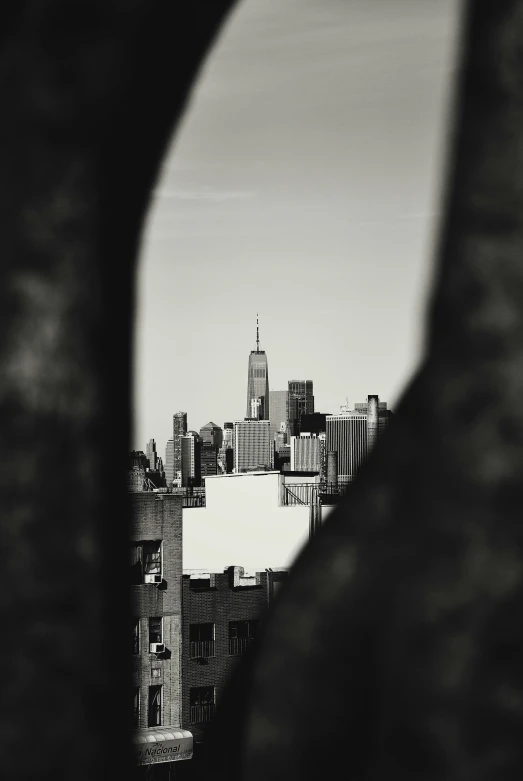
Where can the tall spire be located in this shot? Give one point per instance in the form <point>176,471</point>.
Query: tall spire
<point>257,335</point>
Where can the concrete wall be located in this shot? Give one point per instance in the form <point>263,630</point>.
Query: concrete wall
<point>244,522</point>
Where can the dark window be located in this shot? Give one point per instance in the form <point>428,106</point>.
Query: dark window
<point>135,637</point>
<point>146,562</point>
<point>201,640</point>
<point>155,706</point>
<point>199,584</point>
<point>202,704</point>
<point>155,630</point>
<point>135,706</point>
<point>241,635</point>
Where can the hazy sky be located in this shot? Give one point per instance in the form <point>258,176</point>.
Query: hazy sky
<point>303,184</point>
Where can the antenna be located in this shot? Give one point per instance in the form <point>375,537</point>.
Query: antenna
<point>257,335</point>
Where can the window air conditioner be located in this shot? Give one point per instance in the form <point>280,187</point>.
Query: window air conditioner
<point>157,648</point>
<point>152,579</point>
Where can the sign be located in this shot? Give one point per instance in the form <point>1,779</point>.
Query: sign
<point>163,751</point>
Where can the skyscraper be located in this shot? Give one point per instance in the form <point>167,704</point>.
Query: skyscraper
<point>179,430</point>
<point>347,435</point>
<point>169,463</point>
<point>258,382</point>
<point>279,406</point>
<point>212,434</point>
<point>152,457</point>
<point>191,444</point>
<point>354,433</point>
<point>308,454</point>
<point>252,445</point>
<point>301,402</point>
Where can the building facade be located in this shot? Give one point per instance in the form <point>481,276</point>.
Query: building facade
<point>279,407</point>
<point>258,383</point>
<point>222,613</point>
<point>169,463</point>
<point>212,434</point>
<point>191,450</point>
<point>308,454</point>
<point>152,456</point>
<point>252,445</point>
<point>301,402</point>
<point>347,435</point>
<point>179,431</point>
<point>156,628</point>
<point>209,460</point>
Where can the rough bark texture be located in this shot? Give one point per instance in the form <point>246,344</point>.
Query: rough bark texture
<point>89,92</point>
<point>396,649</point>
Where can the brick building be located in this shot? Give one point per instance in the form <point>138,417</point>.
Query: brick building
<point>221,615</point>
<point>156,580</point>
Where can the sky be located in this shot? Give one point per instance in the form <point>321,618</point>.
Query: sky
<point>303,184</point>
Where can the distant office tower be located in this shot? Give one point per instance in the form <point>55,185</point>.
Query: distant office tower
<point>159,467</point>
<point>301,402</point>
<point>332,468</point>
<point>209,459</point>
<point>347,435</point>
<point>354,433</point>
<point>191,444</point>
<point>258,382</point>
<point>169,463</point>
<point>212,435</point>
<point>228,435</point>
<point>152,457</point>
<point>314,423</point>
<point>279,406</point>
<point>179,430</point>
<point>308,453</point>
<point>252,445</point>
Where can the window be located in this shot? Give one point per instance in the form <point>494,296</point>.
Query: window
<point>146,562</point>
<point>155,706</point>
<point>155,630</point>
<point>201,640</point>
<point>135,695</point>
<point>241,635</point>
<point>200,584</point>
<point>202,704</point>
<point>135,636</point>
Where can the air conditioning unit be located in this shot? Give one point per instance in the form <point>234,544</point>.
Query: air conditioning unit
<point>157,648</point>
<point>152,579</point>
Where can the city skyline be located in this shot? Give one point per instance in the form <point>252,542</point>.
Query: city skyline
<point>305,188</point>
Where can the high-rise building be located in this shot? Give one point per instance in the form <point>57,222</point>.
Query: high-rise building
<point>252,445</point>
<point>212,434</point>
<point>308,453</point>
<point>152,457</point>
<point>258,383</point>
<point>301,402</point>
<point>191,444</point>
<point>169,463</point>
<point>179,430</point>
<point>209,459</point>
<point>347,435</point>
<point>228,435</point>
<point>279,406</point>
<point>354,433</point>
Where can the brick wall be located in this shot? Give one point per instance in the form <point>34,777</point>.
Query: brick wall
<point>219,605</point>
<point>159,517</point>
